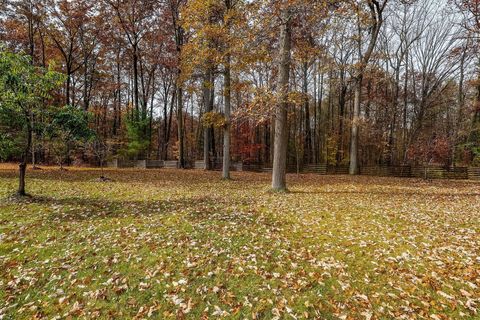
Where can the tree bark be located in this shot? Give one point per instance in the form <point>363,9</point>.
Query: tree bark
<point>376,10</point>
<point>281,134</point>
<point>226,129</point>
<point>181,141</point>
<point>21,178</point>
<point>181,156</point>
<point>22,167</point>
<point>135,82</point>
<point>208,94</point>
<point>308,133</point>
<point>68,84</point>
<point>354,134</point>
<point>342,100</point>
<point>391,137</point>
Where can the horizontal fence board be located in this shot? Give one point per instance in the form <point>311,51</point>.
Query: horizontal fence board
<point>253,167</point>
<point>422,172</point>
<point>116,163</point>
<point>337,170</point>
<point>218,165</point>
<point>474,173</point>
<point>428,172</point>
<point>199,165</point>
<point>400,171</point>
<point>153,164</point>
<point>440,173</point>
<point>315,168</point>
<point>171,164</point>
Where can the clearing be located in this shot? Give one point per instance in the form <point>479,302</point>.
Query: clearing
<point>185,244</point>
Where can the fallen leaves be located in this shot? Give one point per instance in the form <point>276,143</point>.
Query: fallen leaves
<point>186,245</point>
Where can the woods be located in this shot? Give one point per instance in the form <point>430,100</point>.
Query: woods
<point>356,83</point>
<point>240,159</point>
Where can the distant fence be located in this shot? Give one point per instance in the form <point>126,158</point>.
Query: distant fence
<point>425,172</point>
<point>117,163</point>
<point>218,165</point>
<point>474,173</point>
<point>142,164</point>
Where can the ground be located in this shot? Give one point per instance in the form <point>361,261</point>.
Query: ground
<point>170,244</point>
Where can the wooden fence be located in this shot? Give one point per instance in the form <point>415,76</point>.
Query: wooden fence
<point>117,163</point>
<point>424,172</point>
<point>217,165</point>
<point>141,164</point>
<point>171,164</point>
<point>474,173</point>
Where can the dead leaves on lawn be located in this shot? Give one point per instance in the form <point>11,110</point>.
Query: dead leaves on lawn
<point>186,245</point>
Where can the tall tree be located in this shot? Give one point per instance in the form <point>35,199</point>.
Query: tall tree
<point>65,31</point>
<point>374,24</point>
<point>135,18</point>
<point>23,90</point>
<point>281,134</point>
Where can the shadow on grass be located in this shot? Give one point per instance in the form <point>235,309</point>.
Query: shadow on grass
<point>118,175</point>
<point>81,209</point>
<point>392,193</point>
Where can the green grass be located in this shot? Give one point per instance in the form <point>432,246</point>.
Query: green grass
<point>189,245</point>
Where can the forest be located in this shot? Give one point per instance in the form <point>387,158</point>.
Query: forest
<point>146,146</point>
<point>341,83</point>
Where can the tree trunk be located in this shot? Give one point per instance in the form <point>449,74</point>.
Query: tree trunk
<point>376,10</point>
<point>86,100</point>
<point>168,121</point>
<point>405,109</point>
<point>22,167</point>
<point>281,134</point>
<point>179,44</point>
<point>135,82</point>
<point>208,94</point>
<point>21,178</point>
<point>181,156</point>
<point>226,129</point>
<point>308,133</point>
<point>341,119</point>
<point>34,162</point>
<point>391,136</point>
<point>354,133</point>
<point>150,121</point>
<point>321,129</point>
<point>68,84</point>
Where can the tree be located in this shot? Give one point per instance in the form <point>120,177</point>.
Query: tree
<point>135,18</point>
<point>137,143</point>
<point>172,64</point>
<point>100,149</point>
<point>375,23</point>
<point>218,32</point>
<point>289,12</point>
<point>174,8</point>
<point>23,90</point>
<point>68,129</point>
<point>281,135</point>
<point>66,30</point>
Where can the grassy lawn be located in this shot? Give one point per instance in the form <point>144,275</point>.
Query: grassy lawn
<point>169,244</point>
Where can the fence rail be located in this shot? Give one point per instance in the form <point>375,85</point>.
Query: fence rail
<point>117,163</point>
<point>218,165</point>
<point>474,173</point>
<point>425,172</point>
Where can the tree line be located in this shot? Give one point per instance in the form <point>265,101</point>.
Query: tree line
<point>344,83</point>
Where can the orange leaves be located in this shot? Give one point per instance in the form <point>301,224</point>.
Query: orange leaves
<point>186,245</point>
<point>214,119</point>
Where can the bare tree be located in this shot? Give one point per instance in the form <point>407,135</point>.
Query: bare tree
<point>376,20</point>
